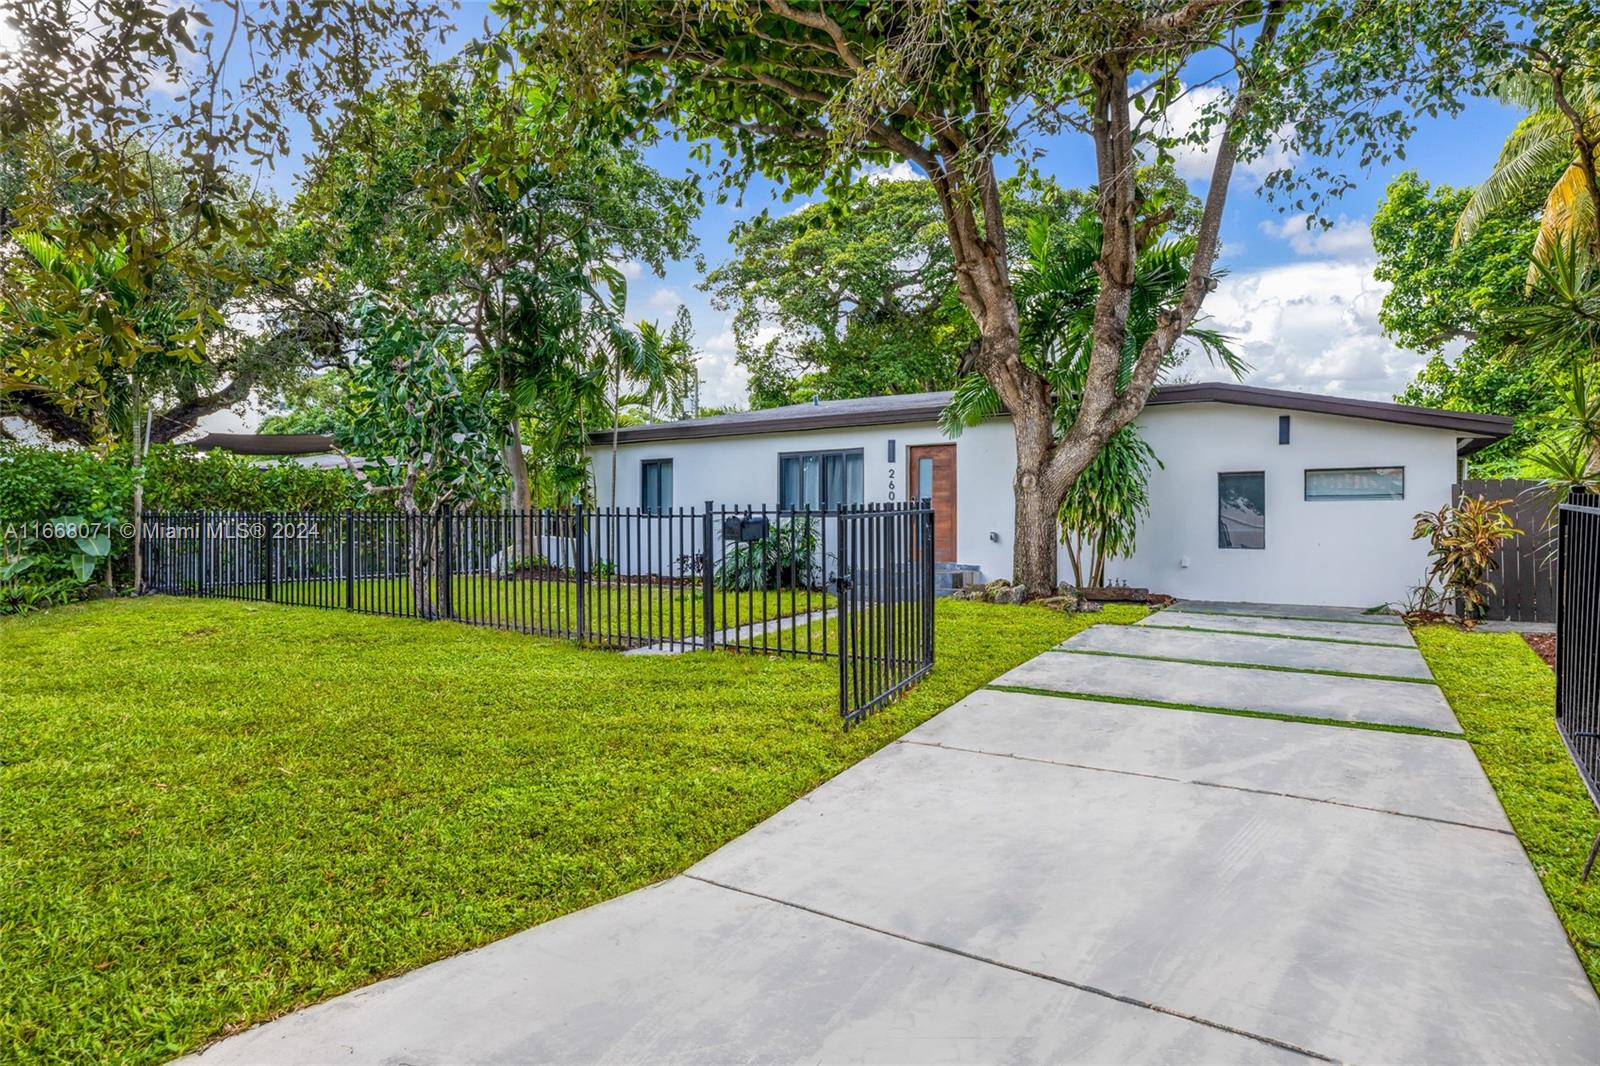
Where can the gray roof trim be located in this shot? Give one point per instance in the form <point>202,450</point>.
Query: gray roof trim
<point>925,407</point>
<point>266,443</point>
<point>1464,422</point>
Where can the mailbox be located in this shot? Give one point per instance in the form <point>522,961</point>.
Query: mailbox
<point>744,528</point>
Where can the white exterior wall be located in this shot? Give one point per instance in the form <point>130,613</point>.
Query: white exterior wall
<point>735,471</point>
<point>1346,552</point>
<point>1355,553</point>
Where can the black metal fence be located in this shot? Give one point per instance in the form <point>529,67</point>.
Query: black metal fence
<point>1578,642</point>
<point>853,585</point>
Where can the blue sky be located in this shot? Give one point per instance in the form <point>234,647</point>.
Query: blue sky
<point>1301,305</point>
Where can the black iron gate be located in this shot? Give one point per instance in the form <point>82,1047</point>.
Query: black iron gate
<point>1578,642</point>
<point>853,585</point>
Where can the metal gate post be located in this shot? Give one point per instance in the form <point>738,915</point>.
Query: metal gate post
<point>580,568</point>
<point>927,584</point>
<point>708,600</point>
<point>842,584</point>
<point>272,557</point>
<point>349,561</point>
<point>441,569</point>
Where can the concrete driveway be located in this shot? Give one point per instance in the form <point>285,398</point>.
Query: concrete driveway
<point>1111,855</point>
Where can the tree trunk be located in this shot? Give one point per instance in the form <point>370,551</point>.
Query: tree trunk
<point>1033,555</point>
<point>517,465</point>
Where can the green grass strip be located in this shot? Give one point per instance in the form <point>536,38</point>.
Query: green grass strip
<point>1134,701</point>
<point>1245,666</point>
<point>1280,636</point>
<point>1504,697</point>
<point>1287,617</point>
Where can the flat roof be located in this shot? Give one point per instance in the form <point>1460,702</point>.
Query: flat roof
<point>925,407</point>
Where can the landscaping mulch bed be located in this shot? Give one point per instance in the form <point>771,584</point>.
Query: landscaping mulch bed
<point>1543,645</point>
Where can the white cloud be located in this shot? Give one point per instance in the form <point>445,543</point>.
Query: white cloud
<point>664,300</point>
<point>901,171</point>
<point>1193,162</point>
<point>1345,239</point>
<point>722,380</point>
<point>1311,326</point>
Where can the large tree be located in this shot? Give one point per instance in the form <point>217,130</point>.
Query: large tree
<point>127,129</point>
<point>812,92</point>
<point>510,215</point>
<point>859,298</point>
<point>1447,299</point>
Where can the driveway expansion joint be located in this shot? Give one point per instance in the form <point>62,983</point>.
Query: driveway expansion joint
<point>1132,1001</point>
<point>1206,784</point>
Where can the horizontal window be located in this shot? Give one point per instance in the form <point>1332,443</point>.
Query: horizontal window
<point>1242,510</point>
<point>820,480</point>
<point>1357,483</point>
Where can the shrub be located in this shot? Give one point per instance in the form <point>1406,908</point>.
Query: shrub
<point>46,494</point>
<point>1462,541</point>
<point>787,557</point>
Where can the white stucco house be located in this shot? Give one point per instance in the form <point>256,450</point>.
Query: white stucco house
<point>1263,495</point>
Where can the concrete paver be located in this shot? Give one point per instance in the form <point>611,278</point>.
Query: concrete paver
<point>1252,650</point>
<point>1306,695</point>
<point>1360,632</point>
<point>1421,776</point>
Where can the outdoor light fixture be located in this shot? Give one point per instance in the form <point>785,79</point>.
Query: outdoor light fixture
<point>891,449</point>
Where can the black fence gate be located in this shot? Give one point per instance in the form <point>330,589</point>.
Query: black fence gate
<point>853,585</point>
<point>1578,642</point>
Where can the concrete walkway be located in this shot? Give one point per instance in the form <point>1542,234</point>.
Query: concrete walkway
<point>1053,870</point>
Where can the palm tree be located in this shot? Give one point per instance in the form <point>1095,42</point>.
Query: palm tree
<point>660,365</point>
<point>1560,133</point>
<point>1562,326</point>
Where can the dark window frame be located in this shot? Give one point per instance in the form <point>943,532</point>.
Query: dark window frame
<point>820,453</point>
<point>1262,474</point>
<point>1305,483</point>
<point>644,499</point>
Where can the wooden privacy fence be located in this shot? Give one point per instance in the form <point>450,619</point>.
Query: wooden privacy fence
<point>1526,575</point>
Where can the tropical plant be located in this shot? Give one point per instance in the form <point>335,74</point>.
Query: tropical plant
<point>1562,131</point>
<point>21,596</point>
<point>430,443</point>
<point>788,556</point>
<point>1447,299</point>
<point>658,367</point>
<point>1057,291</point>
<point>1463,540</point>
<point>1101,514</point>
<point>514,209</point>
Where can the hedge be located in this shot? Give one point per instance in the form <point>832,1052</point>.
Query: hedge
<point>38,485</point>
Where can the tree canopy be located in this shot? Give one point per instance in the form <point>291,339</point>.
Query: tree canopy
<point>1447,299</point>
<point>811,94</point>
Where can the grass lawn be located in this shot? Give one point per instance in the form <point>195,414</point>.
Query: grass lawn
<point>1504,696</point>
<point>614,609</point>
<point>213,812</point>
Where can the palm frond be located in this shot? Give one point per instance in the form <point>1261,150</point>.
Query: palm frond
<point>973,401</point>
<point>1569,214</point>
<point>1540,142</point>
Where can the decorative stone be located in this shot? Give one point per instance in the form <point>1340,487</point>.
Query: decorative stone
<point>1008,594</point>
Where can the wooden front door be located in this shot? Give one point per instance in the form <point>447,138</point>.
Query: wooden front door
<point>933,477</point>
